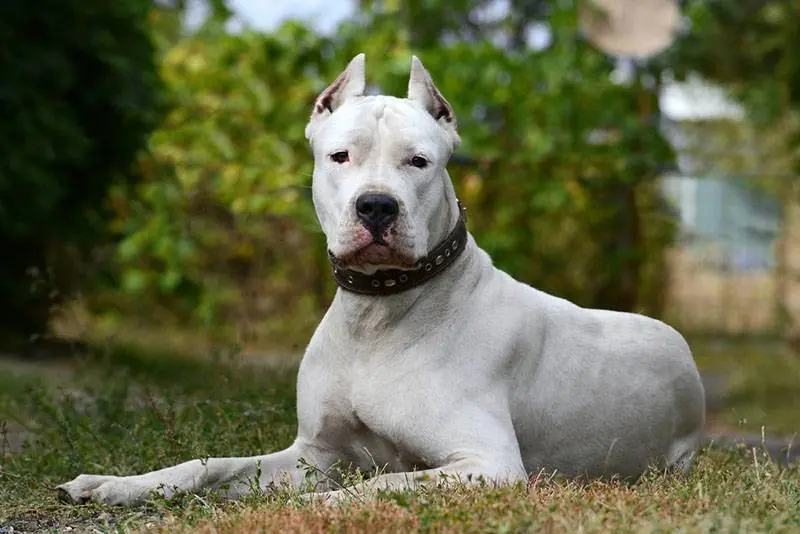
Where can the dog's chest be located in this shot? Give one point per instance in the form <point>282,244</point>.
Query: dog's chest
<point>373,452</point>
<point>391,415</point>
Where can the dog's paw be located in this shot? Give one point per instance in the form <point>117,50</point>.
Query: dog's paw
<point>117,491</point>
<point>330,498</point>
<point>314,497</point>
<point>79,490</point>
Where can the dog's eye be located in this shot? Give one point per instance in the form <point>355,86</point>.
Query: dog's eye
<point>419,162</point>
<point>343,156</point>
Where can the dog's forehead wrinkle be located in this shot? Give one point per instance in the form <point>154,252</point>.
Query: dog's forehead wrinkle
<point>379,110</point>
<point>397,125</point>
<point>358,136</point>
<point>384,107</point>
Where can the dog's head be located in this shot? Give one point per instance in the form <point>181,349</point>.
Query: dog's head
<point>381,191</point>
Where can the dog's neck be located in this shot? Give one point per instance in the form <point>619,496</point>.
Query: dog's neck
<point>364,317</point>
<point>451,211</point>
<point>368,316</point>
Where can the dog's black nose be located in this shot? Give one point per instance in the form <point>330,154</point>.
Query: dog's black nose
<point>376,210</point>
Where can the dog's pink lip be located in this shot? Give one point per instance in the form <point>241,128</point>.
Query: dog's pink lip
<point>377,254</point>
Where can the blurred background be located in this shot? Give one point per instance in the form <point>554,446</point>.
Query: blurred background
<point>631,155</point>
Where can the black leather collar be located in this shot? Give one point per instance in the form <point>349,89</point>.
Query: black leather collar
<point>393,281</point>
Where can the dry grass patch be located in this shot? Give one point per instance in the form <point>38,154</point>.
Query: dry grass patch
<point>380,517</point>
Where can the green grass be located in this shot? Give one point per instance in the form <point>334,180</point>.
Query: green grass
<point>124,412</point>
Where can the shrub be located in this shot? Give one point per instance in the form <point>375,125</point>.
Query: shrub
<point>79,94</point>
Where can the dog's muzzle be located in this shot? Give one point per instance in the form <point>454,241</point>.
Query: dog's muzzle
<point>392,281</point>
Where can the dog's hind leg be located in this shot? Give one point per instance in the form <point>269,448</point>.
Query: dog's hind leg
<point>682,452</point>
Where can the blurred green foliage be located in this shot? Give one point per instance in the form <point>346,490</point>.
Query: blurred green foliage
<point>560,173</point>
<point>749,47</point>
<point>79,95</point>
<point>222,219</point>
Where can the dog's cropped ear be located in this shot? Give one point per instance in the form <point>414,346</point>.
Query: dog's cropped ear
<point>422,90</point>
<point>350,83</point>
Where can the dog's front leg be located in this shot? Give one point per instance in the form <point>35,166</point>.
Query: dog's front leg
<point>461,472</point>
<point>233,476</point>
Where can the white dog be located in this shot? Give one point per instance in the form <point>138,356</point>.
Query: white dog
<point>431,363</point>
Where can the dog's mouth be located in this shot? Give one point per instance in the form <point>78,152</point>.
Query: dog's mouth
<point>377,254</point>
